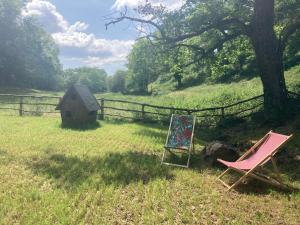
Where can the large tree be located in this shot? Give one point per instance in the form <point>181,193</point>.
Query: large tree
<point>144,62</point>
<point>28,54</point>
<point>116,83</point>
<point>267,24</point>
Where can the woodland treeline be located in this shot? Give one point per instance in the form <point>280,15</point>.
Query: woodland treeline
<point>28,55</point>
<point>201,42</point>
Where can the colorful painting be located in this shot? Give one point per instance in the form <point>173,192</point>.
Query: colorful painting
<point>181,131</point>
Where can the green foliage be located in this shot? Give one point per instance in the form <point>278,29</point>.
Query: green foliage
<point>202,96</point>
<point>206,50</point>
<point>236,60</point>
<point>144,66</point>
<point>116,83</point>
<point>93,78</point>
<point>209,94</point>
<point>28,55</point>
<point>292,53</point>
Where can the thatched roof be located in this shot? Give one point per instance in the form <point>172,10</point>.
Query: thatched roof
<point>87,98</point>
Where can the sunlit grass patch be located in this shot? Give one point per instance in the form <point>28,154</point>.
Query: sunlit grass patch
<point>112,175</point>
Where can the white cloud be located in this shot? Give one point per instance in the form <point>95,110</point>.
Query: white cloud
<point>170,4</point>
<point>47,15</point>
<point>78,26</point>
<point>77,45</point>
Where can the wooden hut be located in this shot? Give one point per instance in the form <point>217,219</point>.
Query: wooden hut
<point>78,106</point>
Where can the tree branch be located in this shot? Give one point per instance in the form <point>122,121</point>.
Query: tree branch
<point>194,47</point>
<point>205,52</point>
<point>219,25</point>
<point>124,17</point>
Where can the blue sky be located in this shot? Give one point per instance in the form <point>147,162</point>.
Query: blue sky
<point>78,28</point>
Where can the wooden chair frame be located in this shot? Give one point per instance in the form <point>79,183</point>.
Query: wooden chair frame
<point>252,173</point>
<point>189,150</point>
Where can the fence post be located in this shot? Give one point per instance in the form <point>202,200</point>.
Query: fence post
<point>143,112</point>
<point>21,107</point>
<point>102,110</point>
<point>223,112</point>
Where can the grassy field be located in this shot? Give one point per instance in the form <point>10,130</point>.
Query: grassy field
<point>198,97</point>
<point>202,96</point>
<point>211,95</point>
<point>112,175</point>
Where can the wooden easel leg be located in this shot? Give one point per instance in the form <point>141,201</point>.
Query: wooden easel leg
<point>163,157</point>
<point>193,147</point>
<point>188,162</point>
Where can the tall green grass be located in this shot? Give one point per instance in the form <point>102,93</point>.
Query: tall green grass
<point>211,95</point>
<point>198,97</point>
<point>112,175</point>
<point>202,96</point>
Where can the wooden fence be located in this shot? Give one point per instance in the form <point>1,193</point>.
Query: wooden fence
<point>122,109</point>
<point>147,112</point>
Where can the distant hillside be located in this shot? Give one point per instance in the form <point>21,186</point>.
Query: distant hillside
<point>201,96</point>
<point>208,95</point>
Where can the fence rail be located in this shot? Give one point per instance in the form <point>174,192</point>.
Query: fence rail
<point>111,108</point>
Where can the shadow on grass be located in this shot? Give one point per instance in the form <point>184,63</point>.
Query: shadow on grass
<point>3,152</point>
<point>81,127</point>
<point>257,187</point>
<point>289,163</point>
<point>117,169</point>
<point>158,135</point>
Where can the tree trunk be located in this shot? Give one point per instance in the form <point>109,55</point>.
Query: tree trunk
<point>269,56</point>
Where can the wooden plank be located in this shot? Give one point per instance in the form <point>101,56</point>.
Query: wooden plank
<point>28,96</point>
<point>162,107</point>
<point>245,110</point>
<point>4,108</point>
<point>28,111</point>
<point>172,164</point>
<point>21,107</point>
<point>244,101</point>
<point>121,109</point>
<point>121,101</point>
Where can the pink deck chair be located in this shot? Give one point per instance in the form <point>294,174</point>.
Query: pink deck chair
<point>263,151</point>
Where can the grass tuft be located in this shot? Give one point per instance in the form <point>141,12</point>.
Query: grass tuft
<point>112,175</point>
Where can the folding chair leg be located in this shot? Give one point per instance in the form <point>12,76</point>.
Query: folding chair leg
<point>239,181</point>
<point>172,164</point>
<point>277,183</point>
<point>224,173</point>
<point>275,168</point>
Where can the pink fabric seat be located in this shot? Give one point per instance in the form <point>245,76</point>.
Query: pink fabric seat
<point>266,149</point>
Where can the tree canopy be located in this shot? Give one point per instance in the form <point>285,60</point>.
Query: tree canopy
<point>116,83</point>
<point>28,55</point>
<point>207,26</point>
<point>93,78</point>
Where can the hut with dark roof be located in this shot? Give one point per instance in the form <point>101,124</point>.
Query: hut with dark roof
<point>78,106</point>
